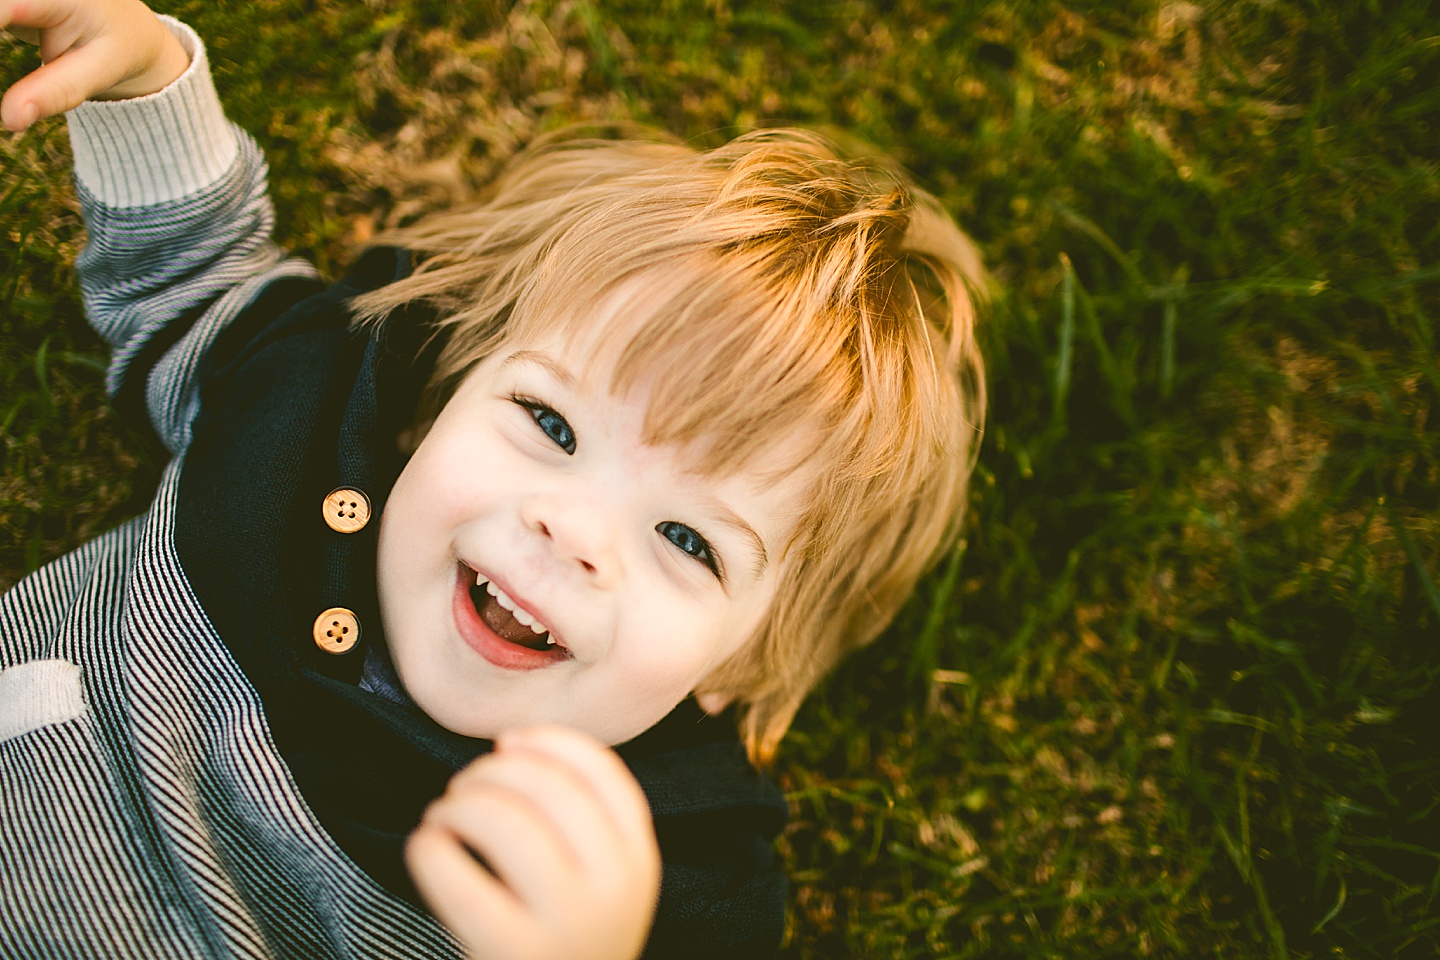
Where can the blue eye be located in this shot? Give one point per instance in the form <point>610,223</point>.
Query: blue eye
<point>691,544</point>
<point>551,424</point>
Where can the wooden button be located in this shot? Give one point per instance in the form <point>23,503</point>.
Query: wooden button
<point>336,630</point>
<point>347,510</point>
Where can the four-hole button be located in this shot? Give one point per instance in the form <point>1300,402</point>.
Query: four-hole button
<point>347,509</point>
<point>337,630</point>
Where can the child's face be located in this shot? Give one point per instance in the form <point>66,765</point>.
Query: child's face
<point>535,478</point>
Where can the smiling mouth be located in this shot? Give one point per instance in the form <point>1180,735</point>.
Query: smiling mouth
<point>500,630</point>
<point>511,624</point>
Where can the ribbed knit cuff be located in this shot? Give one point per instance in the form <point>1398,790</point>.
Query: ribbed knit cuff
<point>156,148</point>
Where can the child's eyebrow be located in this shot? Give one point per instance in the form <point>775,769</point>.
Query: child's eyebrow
<point>551,365</point>
<point>737,523</point>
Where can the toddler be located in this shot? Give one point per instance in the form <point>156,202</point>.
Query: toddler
<point>481,581</point>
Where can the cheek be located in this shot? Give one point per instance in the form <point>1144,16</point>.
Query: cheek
<point>698,641</point>
<point>427,502</point>
<point>745,620</point>
<point>405,510</point>
<point>441,476</point>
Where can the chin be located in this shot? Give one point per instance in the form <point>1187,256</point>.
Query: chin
<point>448,710</point>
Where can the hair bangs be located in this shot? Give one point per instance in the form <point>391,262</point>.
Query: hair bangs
<point>743,376</point>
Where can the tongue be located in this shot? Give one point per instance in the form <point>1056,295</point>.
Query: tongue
<point>503,622</point>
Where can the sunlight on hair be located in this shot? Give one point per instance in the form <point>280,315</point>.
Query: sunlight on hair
<point>775,286</point>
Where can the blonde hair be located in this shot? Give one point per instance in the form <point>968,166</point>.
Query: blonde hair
<point>812,290</point>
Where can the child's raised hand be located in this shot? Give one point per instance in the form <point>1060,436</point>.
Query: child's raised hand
<point>565,829</point>
<point>93,50</point>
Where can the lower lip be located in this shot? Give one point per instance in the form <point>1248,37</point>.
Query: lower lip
<point>489,644</point>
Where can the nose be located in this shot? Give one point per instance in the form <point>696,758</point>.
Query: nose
<point>578,531</point>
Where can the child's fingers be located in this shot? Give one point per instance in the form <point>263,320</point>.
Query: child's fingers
<point>512,837</point>
<point>34,13</point>
<point>73,23</point>
<point>572,808</point>
<point>600,767</point>
<point>60,85</point>
<point>17,109</point>
<point>477,908</point>
<point>565,828</point>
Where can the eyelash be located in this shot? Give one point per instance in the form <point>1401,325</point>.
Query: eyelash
<point>558,431</point>
<point>541,413</point>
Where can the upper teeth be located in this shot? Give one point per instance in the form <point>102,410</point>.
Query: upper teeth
<point>502,598</point>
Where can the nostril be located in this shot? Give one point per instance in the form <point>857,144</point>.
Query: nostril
<point>589,567</point>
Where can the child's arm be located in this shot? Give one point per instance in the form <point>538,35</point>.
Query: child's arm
<point>173,194</point>
<point>574,866</point>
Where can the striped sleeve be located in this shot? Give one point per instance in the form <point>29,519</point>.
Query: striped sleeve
<point>179,222</point>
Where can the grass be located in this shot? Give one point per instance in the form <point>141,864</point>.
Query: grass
<point>1169,697</point>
